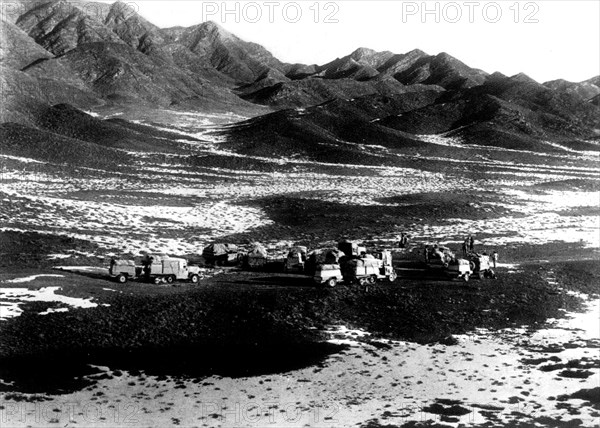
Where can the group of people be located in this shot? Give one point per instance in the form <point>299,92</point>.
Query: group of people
<point>403,240</point>
<point>468,245</point>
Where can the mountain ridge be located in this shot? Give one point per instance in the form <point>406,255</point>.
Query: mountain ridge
<point>96,55</point>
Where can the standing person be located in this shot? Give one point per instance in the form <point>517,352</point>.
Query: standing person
<point>427,254</point>
<point>471,243</point>
<point>402,241</point>
<point>464,247</point>
<point>494,258</point>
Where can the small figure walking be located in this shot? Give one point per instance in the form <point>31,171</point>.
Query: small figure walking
<point>426,254</point>
<point>402,243</point>
<point>471,243</point>
<point>494,258</point>
<point>464,247</point>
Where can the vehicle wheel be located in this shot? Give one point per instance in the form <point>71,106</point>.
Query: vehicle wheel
<point>157,280</point>
<point>492,274</point>
<point>445,265</point>
<point>194,279</point>
<point>481,275</point>
<point>372,279</point>
<point>331,282</point>
<point>170,279</point>
<point>362,281</point>
<point>466,277</point>
<point>121,278</point>
<point>393,276</point>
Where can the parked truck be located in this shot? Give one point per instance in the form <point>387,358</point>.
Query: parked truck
<point>438,256</point>
<point>369,269</point>
<point>124,270</point>
<point>445,261</point>
<point>458,268</point>
<point>362,270</point>
<point>481,266</point>
<point>154,268</point>
<point>166,269</point>
<point>328,274</point>
<point>296,259</point>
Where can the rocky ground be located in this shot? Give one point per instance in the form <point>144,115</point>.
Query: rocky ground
<point>255,348</point>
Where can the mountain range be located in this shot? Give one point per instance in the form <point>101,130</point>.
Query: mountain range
<point>77,55</point>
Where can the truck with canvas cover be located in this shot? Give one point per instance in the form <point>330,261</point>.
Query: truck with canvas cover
<point>328,274</point>
<point>480,265</point>
<point>123,270</point>
<point>327,256</point>
<point>296,259</point>
<point>459,268</point>
<point>167,269</point>
<point>369,269</point>
<point>439,256</point>
<point>221,254</point>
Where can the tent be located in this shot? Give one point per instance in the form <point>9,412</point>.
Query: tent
<point>216,250</point>
<point>220,253</point>
<point>257,257</point>
<point>298,249</point>
<point>327,256</point>
<point>258,250</point>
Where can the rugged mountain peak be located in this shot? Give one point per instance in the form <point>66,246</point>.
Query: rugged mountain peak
<point>363,53</point>
<point>497,76</point>
<point>132,28</point>
<point>523,78</point>
<point>120,12</point>
<point>243,61</point>
<point>447,60</point>
<point>400,62</point>
<point>214,31</point>
<point>370,57</point>
<point>59,26</point>
<point>416,53</point>
<point>593,81</point>
<point>586,89</point>
<point>442,69</point>
<point>17,49</point>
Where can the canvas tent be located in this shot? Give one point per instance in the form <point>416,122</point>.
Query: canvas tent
<point>220,253</point>
<point>326,256</point>
<point>257,257</point>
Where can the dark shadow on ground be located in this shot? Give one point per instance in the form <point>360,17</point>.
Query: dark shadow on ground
<point>61,374</point>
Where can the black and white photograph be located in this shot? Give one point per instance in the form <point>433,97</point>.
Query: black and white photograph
<point>289,214</point>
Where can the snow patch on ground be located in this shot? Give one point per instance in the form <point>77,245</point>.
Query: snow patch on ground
<point>11,299</point>
<point>31,278</point>
<point>488,373</point>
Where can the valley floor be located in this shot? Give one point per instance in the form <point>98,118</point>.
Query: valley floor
<point>261,349</point>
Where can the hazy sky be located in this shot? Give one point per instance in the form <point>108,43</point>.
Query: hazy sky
<point>547,39</point>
